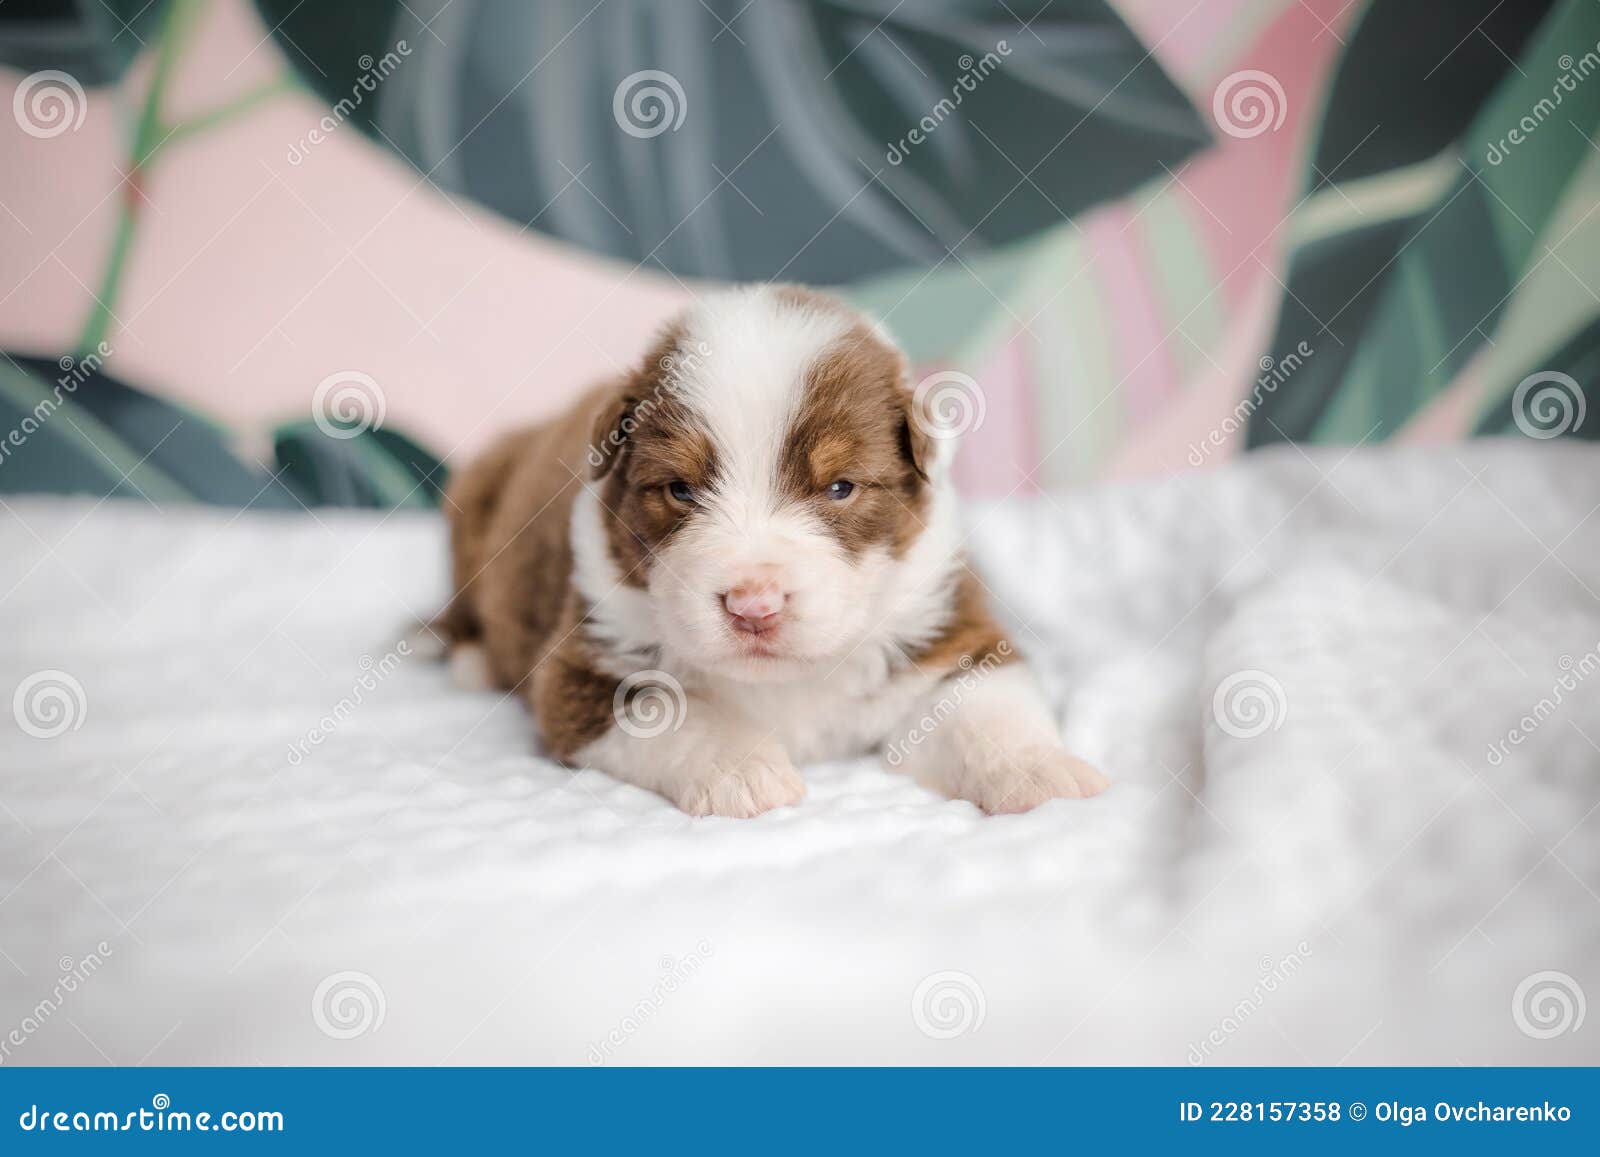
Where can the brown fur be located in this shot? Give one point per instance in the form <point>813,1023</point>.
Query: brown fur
<point>853,425</point>
<point>970,637</point>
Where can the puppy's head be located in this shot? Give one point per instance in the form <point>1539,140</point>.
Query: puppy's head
<point>763,477</point>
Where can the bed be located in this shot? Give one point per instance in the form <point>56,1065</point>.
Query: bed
<point>1349,700</point>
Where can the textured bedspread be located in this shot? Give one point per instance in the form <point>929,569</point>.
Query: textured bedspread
<point>1350,704</point>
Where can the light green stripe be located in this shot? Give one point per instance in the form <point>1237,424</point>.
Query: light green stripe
<point>1369,201</point>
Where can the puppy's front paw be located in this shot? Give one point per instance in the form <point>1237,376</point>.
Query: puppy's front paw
<point>1003,780</point>
<point>758,783</point>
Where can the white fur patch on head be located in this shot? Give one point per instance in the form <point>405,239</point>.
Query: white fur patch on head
<point>751,351</point>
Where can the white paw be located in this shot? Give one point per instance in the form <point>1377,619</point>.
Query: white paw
<point>1004,780</point>
<point>761,782</point>
<point>469,667</point>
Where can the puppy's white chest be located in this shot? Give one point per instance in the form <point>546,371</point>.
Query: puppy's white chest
<point>835,718</point>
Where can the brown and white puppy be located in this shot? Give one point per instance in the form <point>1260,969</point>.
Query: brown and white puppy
<point>742,557</point>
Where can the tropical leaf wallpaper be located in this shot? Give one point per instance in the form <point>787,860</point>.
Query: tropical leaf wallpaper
<point>1153,236</point>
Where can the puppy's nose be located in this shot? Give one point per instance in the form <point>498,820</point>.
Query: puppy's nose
<point>755,602</point>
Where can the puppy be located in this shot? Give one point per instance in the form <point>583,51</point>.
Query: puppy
<point>742,557</point>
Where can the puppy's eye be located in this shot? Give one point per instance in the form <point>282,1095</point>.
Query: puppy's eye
<point>840,490</point>
<point>681,491</point>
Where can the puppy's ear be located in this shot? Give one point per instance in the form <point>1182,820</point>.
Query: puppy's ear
<point>612,424</point>
<point>919,449</point>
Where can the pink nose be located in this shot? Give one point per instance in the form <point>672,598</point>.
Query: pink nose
<point>755,603</point>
